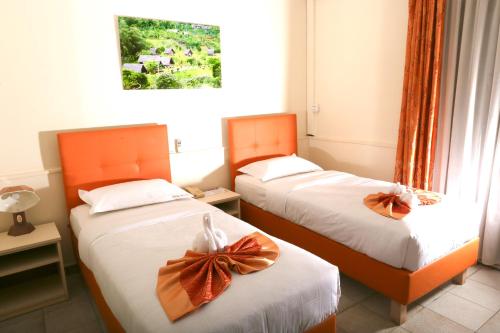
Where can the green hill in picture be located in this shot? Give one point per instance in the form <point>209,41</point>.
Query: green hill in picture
<point>158,54</point>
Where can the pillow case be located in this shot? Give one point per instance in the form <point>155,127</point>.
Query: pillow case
<point>131,194</point>
<point>278,167</point>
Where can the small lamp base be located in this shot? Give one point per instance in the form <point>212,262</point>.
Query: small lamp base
<point>20,226</point>
<point>19,229</point>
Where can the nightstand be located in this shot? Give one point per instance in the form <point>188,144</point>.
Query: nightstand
<point>31,271</point>
<point>226,200</point>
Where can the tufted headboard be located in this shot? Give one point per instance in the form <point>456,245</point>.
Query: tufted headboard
<point>96,158</point>
<point>256,138</point>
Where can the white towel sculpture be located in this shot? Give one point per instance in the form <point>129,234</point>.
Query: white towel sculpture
<point>405,194</point>
<point>209,240</point>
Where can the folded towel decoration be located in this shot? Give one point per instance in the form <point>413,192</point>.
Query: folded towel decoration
<point>187,283</point>
<point>405,194</point>
<point>400,201</point>
<point>211,239</point>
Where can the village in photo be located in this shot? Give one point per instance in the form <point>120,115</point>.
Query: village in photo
<point>159,54</point>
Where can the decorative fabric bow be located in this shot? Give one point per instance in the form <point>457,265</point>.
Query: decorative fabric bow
<point>389,205</point>
<point>187,283</point>
<point>400,201</point>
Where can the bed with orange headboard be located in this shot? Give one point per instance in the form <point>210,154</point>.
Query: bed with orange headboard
<point>91,159</point>
<point>261,137</point>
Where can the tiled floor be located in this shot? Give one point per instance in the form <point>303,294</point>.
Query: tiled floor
<point>473,307</point>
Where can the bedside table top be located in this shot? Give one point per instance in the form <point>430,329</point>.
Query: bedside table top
<point>223,196</point>
<point>43,234</point>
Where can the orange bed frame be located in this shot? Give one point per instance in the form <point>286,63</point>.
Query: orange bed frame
<point>261,137</point>
<point>92,159</point>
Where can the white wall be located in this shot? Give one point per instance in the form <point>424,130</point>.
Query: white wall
<point>357,66</point>
<point>60,71</point>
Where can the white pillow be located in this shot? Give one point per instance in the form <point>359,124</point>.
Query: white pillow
<point>279,167</point>
<point>131,194</point>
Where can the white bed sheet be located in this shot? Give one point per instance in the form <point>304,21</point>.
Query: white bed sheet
<point>251,190</point>
<point>125,249</point>
<point>331,203</point>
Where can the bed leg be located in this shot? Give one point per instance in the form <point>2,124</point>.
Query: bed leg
<point>460,278</point>
<point>398,312</point>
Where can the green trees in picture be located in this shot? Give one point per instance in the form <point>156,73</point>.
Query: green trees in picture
<point>158,54</point>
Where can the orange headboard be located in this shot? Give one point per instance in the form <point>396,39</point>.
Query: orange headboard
<point>256,138</point>
<point>96,158</point>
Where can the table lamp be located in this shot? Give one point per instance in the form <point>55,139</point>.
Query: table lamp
<point>16,200</point>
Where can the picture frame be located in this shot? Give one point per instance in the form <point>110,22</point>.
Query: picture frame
<point>163,54</point>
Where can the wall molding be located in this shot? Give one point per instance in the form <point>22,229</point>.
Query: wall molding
<point>199,150</point>
<point>31,173</point>
<point>386,145</point>
<point>57,170</point>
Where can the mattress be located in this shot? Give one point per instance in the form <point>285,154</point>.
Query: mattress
<point>331,204</point>
<point>125,249</point>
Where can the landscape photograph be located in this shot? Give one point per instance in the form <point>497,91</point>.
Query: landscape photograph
<point>160,54</point>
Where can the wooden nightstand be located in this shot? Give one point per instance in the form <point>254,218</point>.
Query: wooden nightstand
<point>223,199</point>
<point>31,271</point>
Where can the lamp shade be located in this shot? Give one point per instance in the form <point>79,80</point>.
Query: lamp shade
<point>17,199</point>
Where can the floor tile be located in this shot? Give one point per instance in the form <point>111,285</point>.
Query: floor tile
<point>426,321</point>
<point>69,316</point>
<point>381,305</point>
<point>400,330</point>
<point>488,276</point>
<point>354,290</point>
<point>473,269</point>
<point>76,284</point>
<point>462,311</point>
<point>492,325</point>
<point>91,327</point>
<point>345,303</point>
<point>435,294</point>
<point>359,319</point>
<point>339,330</point>
<point>479,293</point>
<point>31,322</point>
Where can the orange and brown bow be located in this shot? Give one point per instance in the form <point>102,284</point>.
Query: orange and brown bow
<point>391,205</point>
<point>187,283</point>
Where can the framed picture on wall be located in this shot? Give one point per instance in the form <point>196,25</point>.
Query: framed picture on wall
<point>160,54</point>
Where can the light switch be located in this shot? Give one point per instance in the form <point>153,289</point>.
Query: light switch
<point>178,145</point>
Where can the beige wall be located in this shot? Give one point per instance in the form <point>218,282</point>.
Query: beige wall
<point>60,70</point>
<point>356,72</point>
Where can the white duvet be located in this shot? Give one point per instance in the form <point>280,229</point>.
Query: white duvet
<point>125,249</point>
<point>331,203</point>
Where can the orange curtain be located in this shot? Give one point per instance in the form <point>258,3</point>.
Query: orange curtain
<point>420,104</point>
